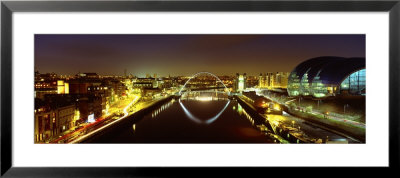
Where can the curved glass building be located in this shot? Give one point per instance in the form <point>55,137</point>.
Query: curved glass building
<point>328,76</point>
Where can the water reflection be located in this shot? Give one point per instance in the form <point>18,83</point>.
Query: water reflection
<point>204,96</point>
<point>170,123</point>
<point>162,108</point>
<point>241,111</point>
<point>197,120</point>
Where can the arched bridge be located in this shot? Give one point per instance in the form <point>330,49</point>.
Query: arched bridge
<point>199,73</point>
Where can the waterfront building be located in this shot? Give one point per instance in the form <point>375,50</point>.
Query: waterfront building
<point>86,104</point>
<point>53,118</point>
<point>273,80</point>
<point>252,81</point>
<point>240,82</point>
<point>262,81</point>
<point>328,76</point>
<point>280,79</point>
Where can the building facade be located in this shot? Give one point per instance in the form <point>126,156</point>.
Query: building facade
<point>328,76</point>
<point>240,82</point>
<point>53,119</point>
<point>273,80</point>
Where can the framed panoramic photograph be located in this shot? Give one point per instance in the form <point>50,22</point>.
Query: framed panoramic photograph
<point>135,88</point>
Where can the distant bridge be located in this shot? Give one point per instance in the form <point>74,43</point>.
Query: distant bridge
<point>202,88</point>
<point>196,74</point>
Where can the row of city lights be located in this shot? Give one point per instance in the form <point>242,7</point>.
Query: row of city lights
<point>109,124</point>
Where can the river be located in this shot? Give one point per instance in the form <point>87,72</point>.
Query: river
<point>198,117</point>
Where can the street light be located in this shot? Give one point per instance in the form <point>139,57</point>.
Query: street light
<point>326,114</point>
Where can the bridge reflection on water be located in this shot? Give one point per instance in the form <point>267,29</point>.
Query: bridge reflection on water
<point>204,96</point>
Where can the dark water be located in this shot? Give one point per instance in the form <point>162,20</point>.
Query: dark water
<point>199,118</point>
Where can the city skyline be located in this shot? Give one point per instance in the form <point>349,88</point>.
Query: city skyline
<point>184,55</point>
<point>222,88</point>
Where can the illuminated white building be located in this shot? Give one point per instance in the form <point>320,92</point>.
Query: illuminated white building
<point>240,82</point>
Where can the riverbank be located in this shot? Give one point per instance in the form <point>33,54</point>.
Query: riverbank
<point>339,126</point>
<point>281,135</point>
<point>333,125</point>
<point>284,127</point>
<point>145,108</point>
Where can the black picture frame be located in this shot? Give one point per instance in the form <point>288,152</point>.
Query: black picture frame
<point>8,7</point>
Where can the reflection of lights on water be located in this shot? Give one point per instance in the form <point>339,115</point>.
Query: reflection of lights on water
<point>162,108</point>
<point>204,98</point>
<point>134,127</point>
<point>197,120</point>
<point>241,110</point>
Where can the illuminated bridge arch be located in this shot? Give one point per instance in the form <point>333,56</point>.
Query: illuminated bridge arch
<point>196,74</point>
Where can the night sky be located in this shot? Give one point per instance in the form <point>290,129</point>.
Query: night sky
<point>186,54</point>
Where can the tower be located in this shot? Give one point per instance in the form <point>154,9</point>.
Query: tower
<point>240,82</point>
